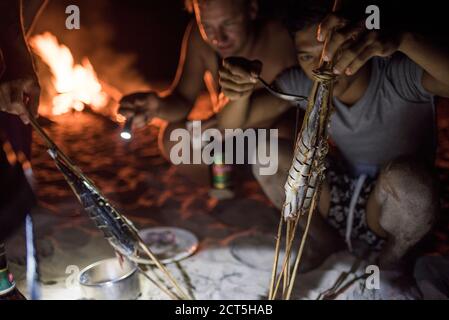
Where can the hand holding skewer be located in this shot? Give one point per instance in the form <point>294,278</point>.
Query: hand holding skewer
<point>349,45</point>
<point>19,96</point>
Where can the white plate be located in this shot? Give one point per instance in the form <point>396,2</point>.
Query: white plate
<point>168,244</point>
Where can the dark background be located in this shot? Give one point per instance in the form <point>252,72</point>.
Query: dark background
<point>151,31</point>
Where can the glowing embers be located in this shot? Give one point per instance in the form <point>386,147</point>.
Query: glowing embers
<point>76,85</point>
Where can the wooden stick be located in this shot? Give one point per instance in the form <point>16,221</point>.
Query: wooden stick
<point>315,195</point>
<point>301,247</point>
<point>159,284</point>
<point>289,242</point>
<point>286,273</point>
<point>322,63</point>
<point>163,269</point>
<point>284,265</point>
<point>276,258</point>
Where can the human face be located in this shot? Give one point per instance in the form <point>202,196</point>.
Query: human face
<point>308,51</point>
<point>225,24</point>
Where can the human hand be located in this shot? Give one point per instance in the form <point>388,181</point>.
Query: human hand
<point>238,77</point>
<point>142,106</point>
<point>351,45</point>
<point>18,95</point>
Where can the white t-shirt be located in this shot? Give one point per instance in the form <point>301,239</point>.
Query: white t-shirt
<point>394,117</point>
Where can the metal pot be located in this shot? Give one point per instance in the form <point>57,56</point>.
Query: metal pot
<point>110,280</point>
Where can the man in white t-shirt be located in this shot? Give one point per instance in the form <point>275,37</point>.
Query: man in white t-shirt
<point>383,127</point>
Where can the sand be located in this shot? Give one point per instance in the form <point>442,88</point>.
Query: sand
<point>236,236</point>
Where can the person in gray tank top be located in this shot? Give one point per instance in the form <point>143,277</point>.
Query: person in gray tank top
<point>379,189</point>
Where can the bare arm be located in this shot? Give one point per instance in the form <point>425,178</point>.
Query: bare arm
<point>434,61</point>
<point>252,111</point>
<point>265,107</point>
<point>354,54</point>
<point>179,99</point>
<point>249,106</point>
<point>174,104</point>
<point>238,80</point>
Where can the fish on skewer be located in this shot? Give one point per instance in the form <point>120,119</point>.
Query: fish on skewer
<point>117,229</point>
<point>310,150</point>
<point>306,174</point>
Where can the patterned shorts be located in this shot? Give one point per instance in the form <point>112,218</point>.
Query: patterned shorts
<point>342,186</point>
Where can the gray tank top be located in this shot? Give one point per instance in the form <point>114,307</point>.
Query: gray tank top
<point>395,116</point>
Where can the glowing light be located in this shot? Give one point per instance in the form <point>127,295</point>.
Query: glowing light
<point>126,135</point>
<point>126,132</point>
<point>77,84</point>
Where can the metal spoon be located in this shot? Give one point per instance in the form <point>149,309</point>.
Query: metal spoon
<point>282,95</point>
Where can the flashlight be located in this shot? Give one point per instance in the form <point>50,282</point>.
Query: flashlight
<point>126,133</point>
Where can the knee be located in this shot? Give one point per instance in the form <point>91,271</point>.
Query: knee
<point>408,188</point>
<point>408,181</point>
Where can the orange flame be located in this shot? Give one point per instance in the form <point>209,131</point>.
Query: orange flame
<point>77,84</point>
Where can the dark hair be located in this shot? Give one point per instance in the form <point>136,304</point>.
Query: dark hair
<point>301,14</point>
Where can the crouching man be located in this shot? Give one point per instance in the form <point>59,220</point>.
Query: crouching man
<point>223,28</point>
<point>379,188</point>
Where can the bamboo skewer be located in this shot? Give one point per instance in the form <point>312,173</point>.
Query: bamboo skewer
<point>301,247</point>
<point>322,129</point>
<point>276,258</point>
<point>325,79</point>
<point>287,262</point>
<point>163,269</point>
<point>158,284</point>
<point>337,288</point>
<point>284,263</point>
<point>289,244</point>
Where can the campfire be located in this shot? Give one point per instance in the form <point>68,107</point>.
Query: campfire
<point>75,86</point>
